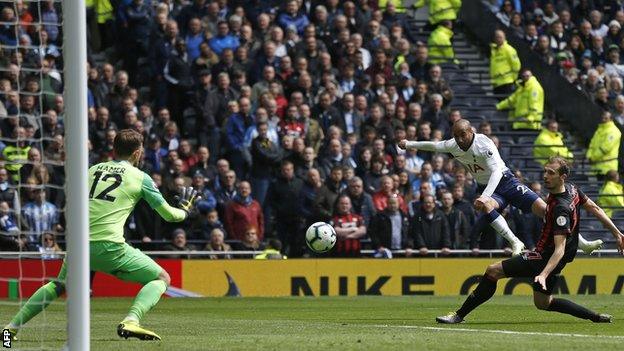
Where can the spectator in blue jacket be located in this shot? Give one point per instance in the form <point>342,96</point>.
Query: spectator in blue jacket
<point>235,129</point>
<point>198,9</point>
<point>207,202</point>
<point>266,58</point>
<point>292,18</point>
<point>223,40</point>
<point>194,38</point>
<point>8,33</point>
<point>139,25</point>
<point>50,20</point>
<point>155,154</point>
<point>40,215</point>
<point>160,51</point>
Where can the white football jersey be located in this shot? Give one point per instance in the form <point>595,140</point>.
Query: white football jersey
<point>481,158</point>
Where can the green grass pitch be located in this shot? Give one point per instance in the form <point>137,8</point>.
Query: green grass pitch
<point>336,323</point>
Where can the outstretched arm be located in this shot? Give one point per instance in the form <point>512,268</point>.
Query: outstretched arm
<point>156,201</point>
<point>439,146</point>
<point>599,213</point>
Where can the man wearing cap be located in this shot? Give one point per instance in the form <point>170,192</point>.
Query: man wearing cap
<point>206,202</point>
<point>613,35</point>
<point>613,65</point>
<point>179,243</point>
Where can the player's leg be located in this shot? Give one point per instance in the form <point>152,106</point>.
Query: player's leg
<point>513,192</point>
<point>539,209</point>
<point>130,264</point>
<point>544,300</point>
<point>38,301</point>
<point>483,292</point>
<point>491,210</point>
<point>148,296</point>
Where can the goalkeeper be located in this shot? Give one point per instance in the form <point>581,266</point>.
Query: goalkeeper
<point>115,188</point>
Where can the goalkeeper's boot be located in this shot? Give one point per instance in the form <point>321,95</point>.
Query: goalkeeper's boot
<point>603,318</point>
<point>131,329</point>
<point>451,318</point>
<point>517,247</point>
<point>592,246</point>
<point>12,332</point>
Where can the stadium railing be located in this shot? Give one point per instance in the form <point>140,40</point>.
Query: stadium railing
<point>365,253</point>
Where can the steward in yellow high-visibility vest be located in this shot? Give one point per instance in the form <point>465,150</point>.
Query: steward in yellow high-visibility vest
<point>16,154</point>
<point>526,103</point>
<point>611,194</point>
<point>440,10</point>
<point>272,251</point>
<point>440,45</point>
<point>604,147</point>
<point>504,64</point>
<point>398,5</point>
<point>549,143</point>
<point>103,10</point>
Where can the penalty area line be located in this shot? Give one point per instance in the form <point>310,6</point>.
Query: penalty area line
<point>496,331</point>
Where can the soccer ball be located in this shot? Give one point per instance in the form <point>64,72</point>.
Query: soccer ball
<point>320,237</point>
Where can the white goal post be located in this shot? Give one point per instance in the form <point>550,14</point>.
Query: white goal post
<point>76,165</point>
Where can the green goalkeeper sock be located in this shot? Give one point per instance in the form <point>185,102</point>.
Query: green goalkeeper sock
<point>37,303</point>
<point>146,299</point>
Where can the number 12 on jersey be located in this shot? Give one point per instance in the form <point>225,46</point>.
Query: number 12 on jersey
<point>104,194</point>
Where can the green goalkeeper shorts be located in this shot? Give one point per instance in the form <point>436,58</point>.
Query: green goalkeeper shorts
<point>121,260</point>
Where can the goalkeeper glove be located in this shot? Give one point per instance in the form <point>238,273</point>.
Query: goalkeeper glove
<point>187,198</point>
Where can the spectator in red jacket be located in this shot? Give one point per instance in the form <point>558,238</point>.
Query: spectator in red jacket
<point>243,212</point>
<point>380,198</point>
<point>380,66</point>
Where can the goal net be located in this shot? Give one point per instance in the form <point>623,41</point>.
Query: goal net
<point>32,172</point>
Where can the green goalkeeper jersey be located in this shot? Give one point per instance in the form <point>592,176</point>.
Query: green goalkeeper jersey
<point>115,187</point>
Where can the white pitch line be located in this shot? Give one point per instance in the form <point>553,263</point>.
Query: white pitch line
<point>494,331</point>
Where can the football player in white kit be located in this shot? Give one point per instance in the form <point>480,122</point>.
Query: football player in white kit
<point>497,184</point>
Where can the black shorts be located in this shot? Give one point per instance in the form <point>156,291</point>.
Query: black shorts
<point>530,265</point>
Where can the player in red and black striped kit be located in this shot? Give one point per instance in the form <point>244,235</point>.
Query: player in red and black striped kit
<point>557,246</point>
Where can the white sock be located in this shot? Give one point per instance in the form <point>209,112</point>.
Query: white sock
<point>501,227</point>
<point>130,318</point>
<point>583,244</point>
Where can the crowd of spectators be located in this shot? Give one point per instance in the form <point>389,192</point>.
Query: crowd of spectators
<point>279,113</point>
<point>583,40</point>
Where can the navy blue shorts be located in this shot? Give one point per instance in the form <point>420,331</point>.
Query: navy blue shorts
<point>511,191</point>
